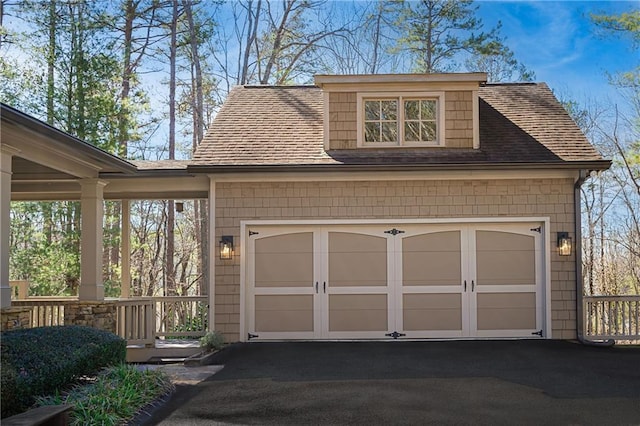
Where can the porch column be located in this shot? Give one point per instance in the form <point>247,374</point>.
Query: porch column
<point>212,253</point>
<point>92,211</point>
<point>6,155</point>
<point>125,247</point>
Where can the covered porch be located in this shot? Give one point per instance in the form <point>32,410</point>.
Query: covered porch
<point>41,163</point>
<point>156,328</point>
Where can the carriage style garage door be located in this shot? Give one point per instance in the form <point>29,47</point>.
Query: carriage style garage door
<point>404,281</point>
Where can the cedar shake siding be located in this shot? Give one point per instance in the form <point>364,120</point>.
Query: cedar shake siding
<point>284,201</point>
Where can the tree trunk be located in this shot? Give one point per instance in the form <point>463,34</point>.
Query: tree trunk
<point>78,54</point>
<point>1,19</point>
<point>252,34</point>
<point>277,42</point>
<point>51,58</point>
<point>125,87</point>
<point>198,134</point>
<point>169,263</point>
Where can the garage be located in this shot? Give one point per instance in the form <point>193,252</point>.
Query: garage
<point>394,281</point>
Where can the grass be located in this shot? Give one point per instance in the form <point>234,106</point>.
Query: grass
<point>45,360</point>
<point>116,395</point>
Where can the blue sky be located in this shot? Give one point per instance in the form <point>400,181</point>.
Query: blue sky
<point>558,41</point>
<point>555,39</point>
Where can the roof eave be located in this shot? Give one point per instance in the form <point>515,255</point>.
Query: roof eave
<point>145,173</point>
<point>594,165</point>
<point>32,124</point>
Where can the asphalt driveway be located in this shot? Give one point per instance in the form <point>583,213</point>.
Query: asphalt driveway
<point>461,382</point>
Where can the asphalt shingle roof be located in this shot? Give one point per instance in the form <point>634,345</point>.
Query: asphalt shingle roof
<point>266,125</point>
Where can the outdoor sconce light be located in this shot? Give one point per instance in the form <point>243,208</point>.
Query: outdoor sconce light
<point>226,247</point>
<point>179,206</point>
<point>564,244</point>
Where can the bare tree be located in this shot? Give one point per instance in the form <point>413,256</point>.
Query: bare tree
<point>170,275</point>
<point>366,47</point>
<point>274,42</point>
<point>198,120</point>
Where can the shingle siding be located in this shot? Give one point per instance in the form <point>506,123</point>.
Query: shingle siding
<point>551,198</point>
<point>343,130</point>
<point>459,119</point>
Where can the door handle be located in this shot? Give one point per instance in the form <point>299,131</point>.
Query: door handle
<point>473,285</point>
<point>324,286</point>
<point>465,285</point>
<point>316,287</point>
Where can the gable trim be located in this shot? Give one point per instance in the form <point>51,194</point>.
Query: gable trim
<point>325,122</point>
<point>473,77</point>
<point>475,101</point>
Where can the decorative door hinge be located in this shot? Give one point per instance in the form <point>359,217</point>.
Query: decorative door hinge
<point>394,231</point>
<point>395,334</point>
<point>251,336</point>
<point>537,333</point>
<point>538,230</point>
<point>253,233</point>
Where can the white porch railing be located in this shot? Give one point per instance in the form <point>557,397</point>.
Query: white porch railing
<point>612,317</point>
<point>139,320</point>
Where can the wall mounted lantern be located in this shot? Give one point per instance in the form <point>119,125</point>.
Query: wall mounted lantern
<point>564,244</point>
<point>226,247</point>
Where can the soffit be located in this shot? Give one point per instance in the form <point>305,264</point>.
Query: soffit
<point>37,142</point>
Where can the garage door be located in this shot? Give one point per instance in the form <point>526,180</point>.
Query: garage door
<point>381,282</point>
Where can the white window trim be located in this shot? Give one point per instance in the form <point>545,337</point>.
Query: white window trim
<point>400,96</point>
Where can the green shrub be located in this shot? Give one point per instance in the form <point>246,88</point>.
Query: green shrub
<point>44,360</point>
<point>211,341</point>
<point>116,396</point>
<point>9,387</point>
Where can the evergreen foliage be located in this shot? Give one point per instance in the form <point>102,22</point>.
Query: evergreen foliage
<point>44,360</point>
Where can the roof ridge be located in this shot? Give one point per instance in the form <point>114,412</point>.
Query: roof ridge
<point>281,86</point>
<point>515,83</point>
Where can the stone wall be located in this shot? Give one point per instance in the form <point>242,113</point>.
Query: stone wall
<point>552,198</point>
<point>15,317</point>
<point>96,314</point>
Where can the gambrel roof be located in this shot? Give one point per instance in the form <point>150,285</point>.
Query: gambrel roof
<point>520,124</point>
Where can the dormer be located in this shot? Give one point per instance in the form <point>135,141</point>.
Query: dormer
<point>428,111</point>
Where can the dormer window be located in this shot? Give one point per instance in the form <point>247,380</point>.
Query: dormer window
<point>390,120</point>
<point>380,120</point>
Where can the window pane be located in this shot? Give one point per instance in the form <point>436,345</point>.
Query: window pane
<point>372,110</point>
<point>428,131</point>
<point>428,110</point>
<point>389,132</point>
<point>412,131</point>
<point>372,132</point>
<point>389,110</point>
<point>411,110</point>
